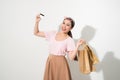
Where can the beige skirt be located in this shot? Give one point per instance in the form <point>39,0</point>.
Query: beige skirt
<point>57,68</point>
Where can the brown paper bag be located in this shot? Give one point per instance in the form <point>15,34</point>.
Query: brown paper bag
<point>86,59</point>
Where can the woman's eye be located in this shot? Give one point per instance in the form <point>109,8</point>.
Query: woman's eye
<point>68,25</point>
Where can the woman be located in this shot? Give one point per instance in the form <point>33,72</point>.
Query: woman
<point>60,43</point>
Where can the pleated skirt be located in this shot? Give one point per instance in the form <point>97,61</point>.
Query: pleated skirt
<point>57,68</point>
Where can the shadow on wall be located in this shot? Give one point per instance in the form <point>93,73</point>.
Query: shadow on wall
<point>110,67</point>
<point>87,34</point>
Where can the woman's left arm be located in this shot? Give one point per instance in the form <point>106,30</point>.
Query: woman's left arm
<point>73,53</point>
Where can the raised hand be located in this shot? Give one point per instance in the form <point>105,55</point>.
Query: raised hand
<point>80,42</point>
<point>38,18</point>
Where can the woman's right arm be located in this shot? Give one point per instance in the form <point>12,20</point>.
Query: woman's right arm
<point>37,32</point>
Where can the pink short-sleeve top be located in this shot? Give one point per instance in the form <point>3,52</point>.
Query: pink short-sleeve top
<point>59,47</point>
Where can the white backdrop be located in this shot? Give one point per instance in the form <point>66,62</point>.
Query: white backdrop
<point>23,55</point>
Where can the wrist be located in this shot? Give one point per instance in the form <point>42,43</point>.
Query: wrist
<point>77,47</point>
<point>36,22</point>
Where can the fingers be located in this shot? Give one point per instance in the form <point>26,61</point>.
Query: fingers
<point>82,41</point>
<point>38,16</point>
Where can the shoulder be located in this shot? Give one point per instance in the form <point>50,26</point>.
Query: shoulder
<point>70,39</point>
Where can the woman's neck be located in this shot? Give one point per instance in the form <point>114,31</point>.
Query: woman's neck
<point>62,33</point>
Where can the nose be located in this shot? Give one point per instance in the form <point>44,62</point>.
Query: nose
<point>64,26</point>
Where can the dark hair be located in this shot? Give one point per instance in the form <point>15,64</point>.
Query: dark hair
<point>72,25</point>
<point>70,34</point>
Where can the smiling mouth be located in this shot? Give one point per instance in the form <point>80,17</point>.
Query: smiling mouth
<point>64,29</point>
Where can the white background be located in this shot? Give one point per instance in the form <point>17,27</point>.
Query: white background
<point>23,55</point>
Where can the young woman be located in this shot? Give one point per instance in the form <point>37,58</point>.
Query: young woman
<point>60,43</point>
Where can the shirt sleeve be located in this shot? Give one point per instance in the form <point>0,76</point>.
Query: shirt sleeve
<point>70,45</point>
<point>49,34</point>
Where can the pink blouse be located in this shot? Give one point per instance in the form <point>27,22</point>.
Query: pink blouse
<point>59,47</point>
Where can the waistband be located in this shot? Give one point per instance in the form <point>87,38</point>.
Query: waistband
<point>56,55</point>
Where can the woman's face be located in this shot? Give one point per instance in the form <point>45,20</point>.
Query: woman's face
<point>66,26</point>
